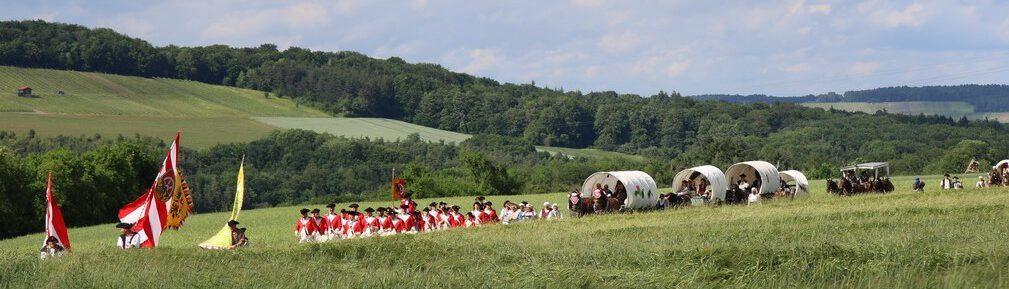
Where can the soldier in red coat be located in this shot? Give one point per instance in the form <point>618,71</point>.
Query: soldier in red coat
<point>457,219</point>
<point>305,228</point>
<point>489,214</point>
<point>370,223</point>
<point>333,221</point>
<point>407,201</point>
<point>320,225</point>
<point>419,224</point>
<point>397,223</point>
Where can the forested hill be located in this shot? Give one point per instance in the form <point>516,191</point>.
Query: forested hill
<point>984,98</point>
<point>663,126</point>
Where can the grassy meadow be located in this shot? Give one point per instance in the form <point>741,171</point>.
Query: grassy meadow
<point>390,129</point>
<point>110,105</point>
<point>937,239</point>
<point>946,108</point>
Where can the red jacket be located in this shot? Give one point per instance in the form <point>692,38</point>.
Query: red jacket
<point>333,222</point>
<point>459,220</point>
<point>385,223</point>
<point>399,225</point>
<point>491,217</point>
<point>307,224</point>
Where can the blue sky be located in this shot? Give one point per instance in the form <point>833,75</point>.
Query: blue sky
<point>790,47</point>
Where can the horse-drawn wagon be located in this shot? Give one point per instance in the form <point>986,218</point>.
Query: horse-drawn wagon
<point>745,176</point>
<point>699,185</point>
<point>614,191</point>
<point>799,186</point>
<point>862,178</point>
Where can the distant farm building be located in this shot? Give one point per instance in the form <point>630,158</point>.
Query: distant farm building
<point>24,91</point>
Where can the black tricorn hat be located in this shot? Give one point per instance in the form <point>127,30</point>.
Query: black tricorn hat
<point>232,223</point>
<point>352,213</point>
<point>331,205</point>
<point>124,225</point>
<point>354,205</point>
<point>369,210</point>
<point>305,211</point>
<point>316,210</point>
<point>380,209</point>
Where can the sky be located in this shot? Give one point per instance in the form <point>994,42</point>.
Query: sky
<point>785,48</point>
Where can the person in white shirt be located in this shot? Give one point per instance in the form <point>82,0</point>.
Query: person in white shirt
<point>51,249</point>
<point>946,183</point>
<point>980,182</point>
<point>127,238</point>
<point>555,212</point>
<point>753,198</point>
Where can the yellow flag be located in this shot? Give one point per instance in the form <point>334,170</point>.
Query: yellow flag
<point>239,191</point>
<point>222,240</point>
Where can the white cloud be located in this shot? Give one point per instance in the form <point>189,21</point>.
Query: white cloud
<point>480,60</point>
<point>588,3</point>
<point>131,25</point>
<point>909,16</point>
<point>676,68</point>
<point>863,68</point>
<point>1004,30</point>
<point>668,63</point>
<point>819,8</point>
<point>797,68</point>
<point>619,42</point>
<point>593,71</point>
<point>240,24</point>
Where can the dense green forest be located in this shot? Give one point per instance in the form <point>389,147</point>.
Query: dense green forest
<point>661,126</point>
<point>94,176</point>
<point>984,98</point>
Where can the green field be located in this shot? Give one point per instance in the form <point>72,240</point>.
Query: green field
<point>374,128</point>
<point>389,129</point>
<point>110,105</point>
<point>946,108</point>
<point>951,239</point>
<point>95,103</point>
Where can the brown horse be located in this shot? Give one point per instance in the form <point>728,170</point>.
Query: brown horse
<point>847,188</point>
<point>580,206</point>
<point>833,188</point>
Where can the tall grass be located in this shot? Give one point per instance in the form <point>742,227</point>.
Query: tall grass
<point>903,239</point>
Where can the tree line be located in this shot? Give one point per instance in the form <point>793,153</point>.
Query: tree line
<point>984,97</point>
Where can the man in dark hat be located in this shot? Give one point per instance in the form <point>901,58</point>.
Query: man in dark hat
<point>320,225</point>
<point>407,201</point>
<point>52,248</point>
<point>370,223</point>
<point>333,223</point>
<point>127,238</point>
<point>238,238</point>
<point>243,240</point>
<point>305,229</point>
<point>384,221</point>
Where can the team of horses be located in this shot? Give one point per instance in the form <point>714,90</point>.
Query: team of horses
<point>852,186</point>
<point>998,177</point>
<point>580,206</point>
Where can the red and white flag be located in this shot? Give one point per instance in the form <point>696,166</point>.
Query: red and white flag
<point>166,204</point>
<point>152,219</point>
<point>54,218</point>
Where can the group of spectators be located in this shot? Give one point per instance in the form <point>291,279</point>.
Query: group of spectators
<point>352,223</point>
